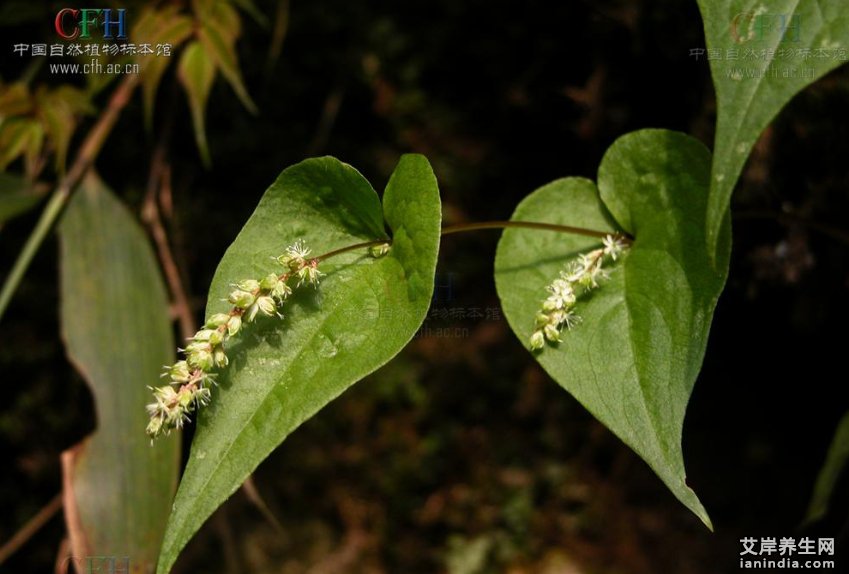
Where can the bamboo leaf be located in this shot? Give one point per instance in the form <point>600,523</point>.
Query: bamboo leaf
<point>117,333</point>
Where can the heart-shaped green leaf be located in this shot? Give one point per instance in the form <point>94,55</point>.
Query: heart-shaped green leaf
<point>761,55</point>
<point>364,312</point>
<point>635,357</point>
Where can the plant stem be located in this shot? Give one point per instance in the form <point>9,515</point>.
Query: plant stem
<point>341,250</point>
<point>464,227</point>
<point>32,526</point>
<point>85,158</point>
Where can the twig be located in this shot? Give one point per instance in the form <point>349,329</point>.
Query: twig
<point>251,491</point>
<point>84,160</point>
<point>463,227</point>
<point>32,526</point>
<point>160,178</point>
<point>281,27</point>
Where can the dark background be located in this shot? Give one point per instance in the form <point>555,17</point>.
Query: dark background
<point>462,456</point>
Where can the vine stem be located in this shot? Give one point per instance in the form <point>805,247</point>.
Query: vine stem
<point>85,158</point>
<point>353,247</point>
<point>465,227</point>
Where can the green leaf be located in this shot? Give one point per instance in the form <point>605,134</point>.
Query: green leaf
<point>20,137</point>
<point>365,311</point>
<point>15,100</point>
<point>196,72</point>
<point>750,91</point>
<point>17,196</point>
<point>221,15</point>
<point>221,47</point>
<point>835,463</point>
<point>117,333</point>
<point>251,9</point>
<point>58,110</point>
<point>633,360</point>
<point>165,26</point>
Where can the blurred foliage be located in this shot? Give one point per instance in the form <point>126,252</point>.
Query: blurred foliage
<point>461,453</point>
<point>30,119</point>
<point>115,325</point>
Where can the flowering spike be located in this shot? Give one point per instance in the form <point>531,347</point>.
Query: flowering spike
<point>579,277</point>
<point>193,377</point>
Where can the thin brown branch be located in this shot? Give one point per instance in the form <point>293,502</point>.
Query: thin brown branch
<point>86,155</point>
<point>463,227</point>
<point>251,491</point>
<point>29,529</point>
<point>353,247</point>
<point>98,134</point>
<point>160,178</point>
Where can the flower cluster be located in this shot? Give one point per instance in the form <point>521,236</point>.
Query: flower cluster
<point>191,378</point>
<point>580,277</point>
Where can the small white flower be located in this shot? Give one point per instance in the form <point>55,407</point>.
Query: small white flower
<point>298,250</point>
<point>309,274</point>
<point>613,246</point>
<point>266,305</point>
<point>295,256</point>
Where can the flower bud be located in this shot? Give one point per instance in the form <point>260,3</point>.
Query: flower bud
<point>220,358</point>
<point>216,338</point>
<point>217,320</point>
<point>200,359</point>
<point>250,285</point>
<point>184,397</point>
<point>269,282</point>
<point>154,427</point>
<point>250,313</point>
<point>266,305</point>
<point>537,341</point>
<point>203,335</point>
<point>165,395</point>
<point>179,372</point>
<point>309,274</point>
<point>552,333</point>
<point>378,251</point>
<point>198,346</point>
<point>241,299</point>
<point>233,325</point>
<point>281,291</point>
